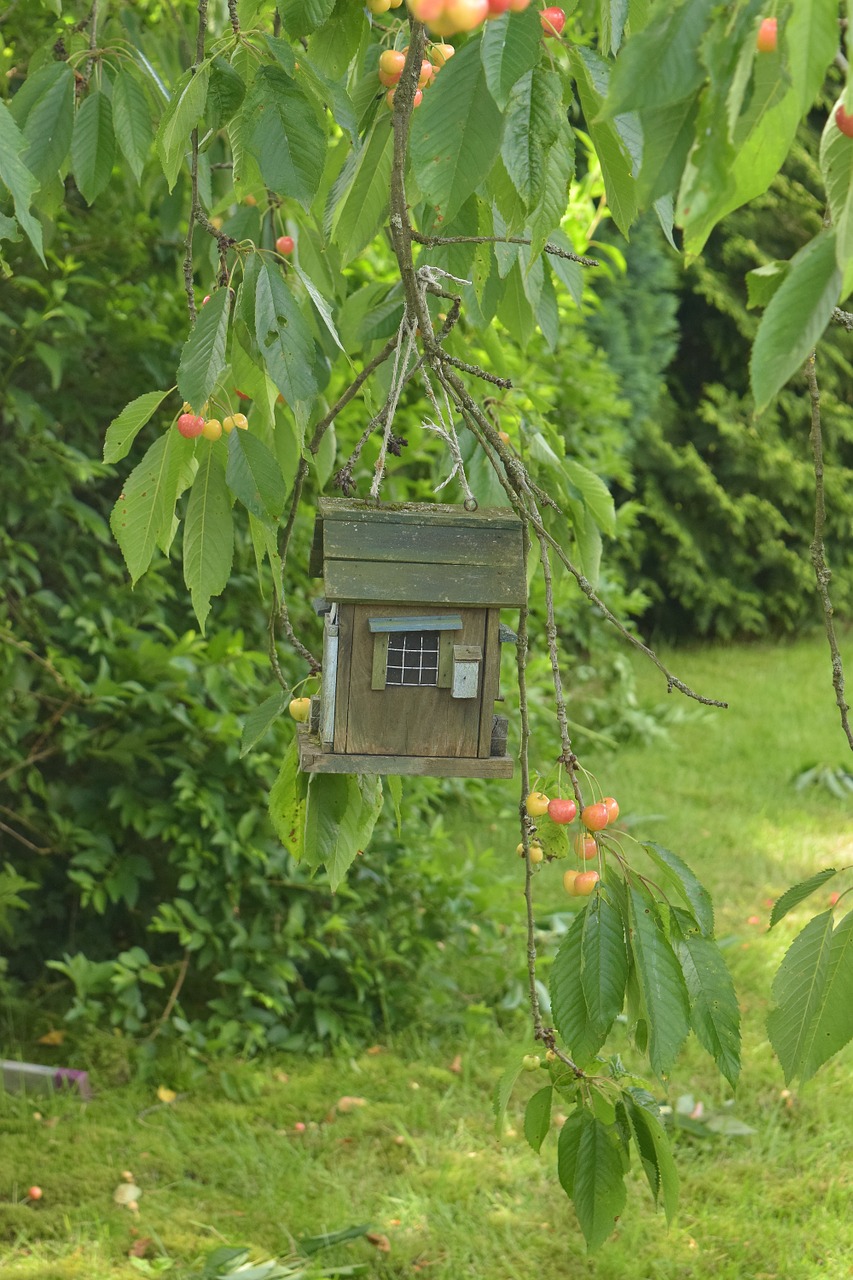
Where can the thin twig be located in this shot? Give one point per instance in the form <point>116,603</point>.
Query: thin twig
<point>16,835</point>
<point>567,755</point>
<point>433,242</point>
<point>504,383</point>
<point>232,14</point>
<point>173,998</point>
<point>353,388</point>
<point>279,614</point>
<point>7,638</point>
<point>818,549</point>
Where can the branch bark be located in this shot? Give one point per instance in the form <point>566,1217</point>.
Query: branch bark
<point>818,549</point>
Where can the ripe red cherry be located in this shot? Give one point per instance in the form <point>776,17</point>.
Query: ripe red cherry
<point>585,882</point>
<point>585,846</point>
<point>612,808</point>
<point>35,1193</point>
<point>497,7</point>
<point>844,121</point>
<point>190,425</point>
<point>553,21</point>
<point>767,34</point>
<point>285,245</point>
<point>595,817</point>
<point>562,811</point>
<point>392,61</point>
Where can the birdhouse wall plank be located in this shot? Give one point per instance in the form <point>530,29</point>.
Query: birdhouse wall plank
<point>491,681</point>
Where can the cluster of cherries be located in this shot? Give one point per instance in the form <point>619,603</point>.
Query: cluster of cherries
<point>392,61</point>
<point>192,424</point>
<point>594,817</point>
<point>452,17</point>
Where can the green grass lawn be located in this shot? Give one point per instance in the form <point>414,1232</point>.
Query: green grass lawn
<point>418,1160</point>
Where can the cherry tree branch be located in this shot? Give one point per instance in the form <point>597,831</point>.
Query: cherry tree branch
<point>818,549</point>
<point>433,242</point>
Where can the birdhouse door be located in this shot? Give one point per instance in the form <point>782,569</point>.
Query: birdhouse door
<point>417,683</point>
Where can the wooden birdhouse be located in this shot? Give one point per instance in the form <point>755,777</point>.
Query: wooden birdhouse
<point>412,633</point>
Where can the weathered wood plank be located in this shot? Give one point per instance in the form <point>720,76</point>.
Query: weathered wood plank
<point>416,513</point>
<point>474,585</point>
<point>313,760</point>
<point>491,677</point>
<point>342,685</point>
<point>422,543</point>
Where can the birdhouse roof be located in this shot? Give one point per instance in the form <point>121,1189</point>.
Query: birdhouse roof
<point>418,553</point>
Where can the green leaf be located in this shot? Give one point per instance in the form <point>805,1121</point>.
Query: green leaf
<point>655,1151</point>
<point>456,134</point>
<point>595,493</point>
<point>44,110</point>
<point>287,802</point>
<point>677,875</point>
<point>798,893</point>
<point>530,131</point>
<point>511,46</point>
<point>257,722</point>
<point>713,186</point>
<point>504,1089</point>
<point>225,93</point>
<point>327,91</point>
<point>203,355</point>
<point>394,784</point>
<point>668,135</point>
<point>568,1145</point>
<point>209,530</point>
<point>661,64</point>
<point>833,1025</point>
<point>537,1117</point>
<point>124,429</point>
<point>617,164</point>
<point>800,992</point>
<point>714,1012</point>
<point>322,307</point>
<point>145,511</point>
<point>364,202</point>
<point>15,175</point>
<point>286,136</point>
<point>254,476</point>
<point>284,338</point>
<point>811,41</point>
<point>302,17</point>
<point>604,966</point>
<point>568,1005</point>
<point>545,218</point>
<point>836,164</point>
<point>661,982</point>
<point>181,116</point>
<point>132,121</point>
<point>93,145</point>
<point>342,812</point>
<point>762,283</point>
<point>599,1183</point>
<point>796,317</point>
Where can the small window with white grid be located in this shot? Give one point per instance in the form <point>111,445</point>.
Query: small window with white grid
<point>412,658</point>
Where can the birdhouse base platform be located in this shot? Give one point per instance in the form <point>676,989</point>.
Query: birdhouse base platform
<point>313,759</point>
